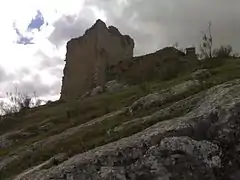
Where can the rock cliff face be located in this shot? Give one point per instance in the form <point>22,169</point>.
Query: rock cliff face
<point>89,56</point>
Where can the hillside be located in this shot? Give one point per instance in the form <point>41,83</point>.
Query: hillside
<point>164,116</point>
<point>184,127</point>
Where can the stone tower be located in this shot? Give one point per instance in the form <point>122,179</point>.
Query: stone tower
<point>89,56</point>
<point>191,52</point>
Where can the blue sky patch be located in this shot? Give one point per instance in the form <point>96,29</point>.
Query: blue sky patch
<point>36,22</point>
<point>23,39</point>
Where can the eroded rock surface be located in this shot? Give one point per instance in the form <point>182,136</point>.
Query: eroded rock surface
<point>200,145</point>
<point>201,74</point>
<point>4,142</point>
<point>114,86</point>
<point>159,98</point>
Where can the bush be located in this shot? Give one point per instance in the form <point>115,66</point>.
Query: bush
<point>213,63</point>
<point>206,44</point>
<point>17,101</point>
<point>223,52</point>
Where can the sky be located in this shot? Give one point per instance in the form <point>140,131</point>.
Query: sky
<point>34,33</point>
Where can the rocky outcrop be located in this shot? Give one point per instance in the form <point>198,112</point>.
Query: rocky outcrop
<point>114,86</point>
<point>89,56</point>
<point>201,145</point>
<point>110,86</point>
<point>166,95</point>
<point>4,142</point>
<point>97,90</point>
<point>201,74</point>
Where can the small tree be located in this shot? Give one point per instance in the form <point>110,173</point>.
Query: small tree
<point>18,101</point>
<point>35,101</point>
<point>207,43</point>
<point>223,51</point>
<point>176,45</point>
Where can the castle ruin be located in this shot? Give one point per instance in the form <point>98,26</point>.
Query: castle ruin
<point>104,54</point>
<point>89,56</point>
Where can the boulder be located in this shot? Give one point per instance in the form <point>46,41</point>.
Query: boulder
<point>97,90</point>
<point>201,74</point>
<point>114,86</point>
<point>5,142</point>
<point>159,98</point>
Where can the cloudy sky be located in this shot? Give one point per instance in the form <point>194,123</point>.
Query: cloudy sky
<point>34,32</point>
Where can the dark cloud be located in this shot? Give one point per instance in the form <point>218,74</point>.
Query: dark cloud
<point>19,74</point>
<point>49,62</point>
<point>29,81</point>
<point>69,27</point>
<point>33,84</point>
<point>56,71</point>
<point>54,66</point>
<point>183,21</point>
<point>36,85</point>
<point>154,24</point>
<point>4,76</point>
<point>24,72</point>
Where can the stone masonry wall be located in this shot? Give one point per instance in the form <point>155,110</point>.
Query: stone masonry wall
<point>89,56</point>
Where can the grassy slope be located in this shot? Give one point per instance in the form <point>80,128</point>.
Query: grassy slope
<point>47,121</point>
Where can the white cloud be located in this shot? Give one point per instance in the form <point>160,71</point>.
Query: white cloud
<point>153,24</point>
<point>21,61</point>
<point>99,13</point>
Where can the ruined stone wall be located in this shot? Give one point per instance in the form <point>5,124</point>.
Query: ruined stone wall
<point>89,56</point>
<point>162,64</point>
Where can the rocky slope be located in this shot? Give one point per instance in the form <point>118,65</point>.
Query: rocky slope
<point>184,128</point>
<point>201,144</point>
<point>103,54</point>
<point>163,116</point>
